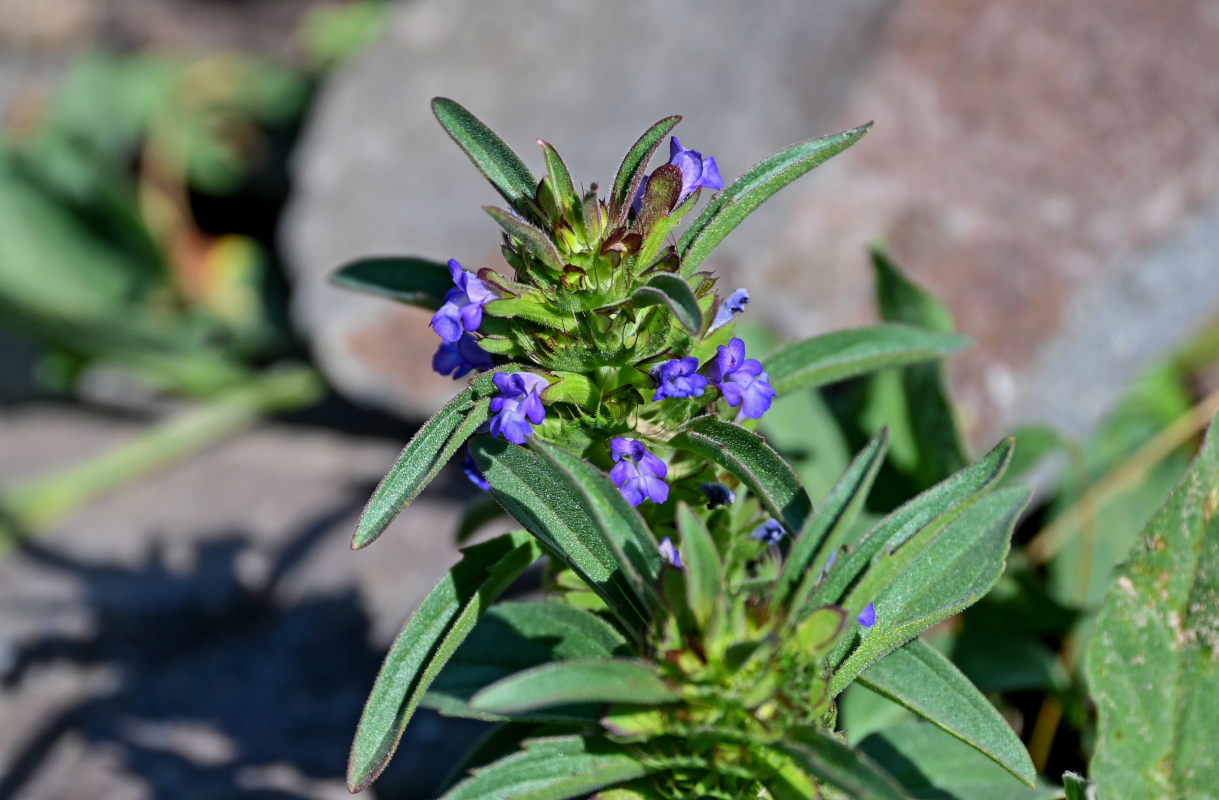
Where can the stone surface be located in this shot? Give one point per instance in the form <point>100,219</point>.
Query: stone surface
<point>1028,161</point>
<point>207,632</point>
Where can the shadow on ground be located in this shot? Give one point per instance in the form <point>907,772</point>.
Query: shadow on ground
<point>275,687</point>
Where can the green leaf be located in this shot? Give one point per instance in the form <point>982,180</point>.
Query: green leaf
<point>827,758</point>
<point>630,172</point>
<point>938,444</point>
<point>554,768</point>
<point>427,451</point>
<point>669,290</point>
<point>1152,664</point>
<point>844,354</point>
<point>513,637</point>
<point>831,524</point>
<point>533,239</point>
<point>429,638</point>
<point>950,569</point>
<point>415,281</point>
<point>747,456</point>
<point>526,308</point>
<point>1076,786</point>
<point>924,681</point>
<point>548,501</point>
<point>494,159</point>
<point>933,765</point>
<point>599,680</point>
<point>749,191</point>
<point>704,571</point>
<point>564,190</point>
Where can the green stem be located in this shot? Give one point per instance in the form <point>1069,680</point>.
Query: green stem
<point>35,504</point>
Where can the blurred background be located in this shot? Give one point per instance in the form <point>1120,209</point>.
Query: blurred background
<point>191,417</point>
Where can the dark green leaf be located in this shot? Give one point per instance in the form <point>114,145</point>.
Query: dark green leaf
<point>844,354</point>
<point>704,571</point>
<point>747,456</point>
<point>830,524</point>
<point>749,191</point>
<point>928,684</point>
<point>828,759</point>
<point>415,281</point>
<point>548,501</point>
<point>427,451</point>
<point>429,638</point>
<point>631,171</point>
<point>601,680</point>
<point>1076,786</point>
<point>1152,663</point>
<point>533,239</point>
<point>494,159</point>
<point>672,291</point>
<point>564,189</point>
<point>556,768</point>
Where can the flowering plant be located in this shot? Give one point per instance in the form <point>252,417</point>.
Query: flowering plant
<point>701,618</point>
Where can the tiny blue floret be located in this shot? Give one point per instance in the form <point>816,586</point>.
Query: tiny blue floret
<point>518,407</point>
<point>696,172</point>
<point>460,357</point>
<point>638,474</point>
<point>679,377</point>
<point>470,467</point>
<point>735,304</point>
<point>463,304</point>
<point>669,554</point>
<point>770,532</point>
<point>741,380</point>
<point>867,617</point>
<point>717,494</point>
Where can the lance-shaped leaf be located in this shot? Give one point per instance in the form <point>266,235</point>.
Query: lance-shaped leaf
<point>829,760</point>
<point>749,191</point>
<point>631,171</point>
<point>746,455</point>
<point>532,310</point>
<point>951,572</point>
<point>939,447</point>
<point>552,506</point>
<point>429,638</point>
<point>669,290</point>
<point>829,525</point>
<point>595,680</point>
<point>1153,666</point>
<point>513,637</point>
<point>704,570</point>
<point>427,451</point>
<point>554,768</point>
<point>918,677</point>
<point>941,501</point>
<point>494,159</point>
<point>533,239</point>
<point>564,190</point>
<point>414,281</point>
<point>839,355</point>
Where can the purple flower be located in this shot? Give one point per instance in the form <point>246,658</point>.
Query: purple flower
<point>741,380</point>
<point>770,532</point>
<point>470,466</point>
<point>517,408</point>
<point>717,494</point>
<point>637,473</point>
<point>669,554</point>
<point>679,377</point>
<point>735,304</point>
<point>463,305</point>
<point>696,172</point>
<point>460,357</point>
<point>867,617</point>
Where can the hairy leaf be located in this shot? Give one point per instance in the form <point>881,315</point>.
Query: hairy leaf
<point>600,680</point>
<point>844,354</point>
<point>414,281</point>
<point>631,171</point>
<point>670,290</point>
<point>554,768</point>
<point>533,239</point>
<point>827,758</point>
<point>494,159</point>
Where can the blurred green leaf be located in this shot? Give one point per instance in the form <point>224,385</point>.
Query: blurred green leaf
<point>334,34</point>
<point>704,569</point>
<point>597,680</point>
<point>827,758</point>
<point>414,281</point>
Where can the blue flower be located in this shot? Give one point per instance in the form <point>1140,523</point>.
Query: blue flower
<point>470,467</point>
<point>637,473</point>
<point>679,377</point>
<point>669,554</point>
<point>717,494</point>
<point>517,408</point>
<point>463,305</point>
<point>770,532</point>
<point>696,172</point>
<point>735,304</point>
<point>460,357</point>
<point>741,380</point>
<point>867,617</point>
